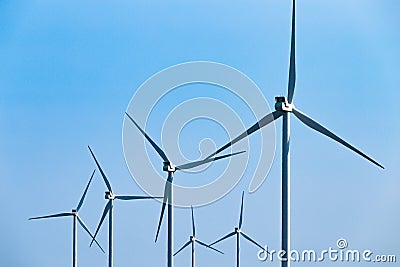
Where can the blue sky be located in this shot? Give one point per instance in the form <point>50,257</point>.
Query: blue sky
<point>69,69</point>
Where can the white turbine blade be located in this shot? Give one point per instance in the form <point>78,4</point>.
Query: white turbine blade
<point>223,238</point>
<point>106,210</point>
<point>184,246</point>
<point>193,226</point>
<point>101,170</point>
<point>167,188</point>
<point>208,246</point>
<point>120,197</point>
<point>319,128</point>
<point>292,64</point>
<point>87,231</point>
<point>84,193</point>
<point>241,212</point>
<point>204,161</point>
<point>252,241</point>
<point>64,214</point>
<point>153,144</point>
<point>258,125</point>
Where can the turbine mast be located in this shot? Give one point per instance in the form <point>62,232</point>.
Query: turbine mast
<point>286,187</point>
<point>193,255</point>
<point>110,235</point>
<point>237,248</point>
<point>170,236</point>
<point>74,240</point>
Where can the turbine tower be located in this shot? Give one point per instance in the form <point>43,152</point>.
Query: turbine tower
<point>238,232</point>
<point>76,219</point>
<point>168,192</point>
<point>284,107</point>
<point>193,240</point>
<point>109,209</point>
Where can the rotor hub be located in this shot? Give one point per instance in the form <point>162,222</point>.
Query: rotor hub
<point>168,167</point>
<point>282,104</point>
<point>109,196</point>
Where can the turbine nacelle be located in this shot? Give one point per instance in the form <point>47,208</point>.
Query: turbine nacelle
<point>75,212</point>
<point>192,238</point>
<point>282,104</point>
<point>168,167</point>
<point>109,195</point>
<point>237,230</point>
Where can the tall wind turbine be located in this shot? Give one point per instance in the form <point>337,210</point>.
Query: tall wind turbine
<point>168,192</point>
<point>284,107</point>
<point>109,209</point>
<point>193,240</point>
<point>76,219</point>
<point>238,232</point>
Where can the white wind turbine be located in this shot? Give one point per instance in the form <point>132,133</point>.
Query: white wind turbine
<point>238,232</point>
<point>76,218</point>
<point>284,107</point>
<point>109,209</point>
<point>168,192</point>
<point>193,240</point>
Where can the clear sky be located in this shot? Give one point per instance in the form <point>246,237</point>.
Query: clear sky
<point>68,70</point>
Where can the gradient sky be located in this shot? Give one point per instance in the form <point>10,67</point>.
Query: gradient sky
<point>69,69</point>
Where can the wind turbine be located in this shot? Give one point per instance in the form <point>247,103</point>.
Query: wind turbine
<point>193,240</point>
<point>238,232</point>
<point>76,219</point>
<point>168,192</point>
<point>109,209</point>
<point>284,107</point>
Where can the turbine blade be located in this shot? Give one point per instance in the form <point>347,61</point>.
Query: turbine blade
<point>319,128</point>
<point>184,246</point>
<point>223,238</point>
<point>208,246</point>
<point>292,66</point>
<point>153,144</point>
<point>252,241</point>
<point>101,171</point>
<point>84,193</point>
<point>165,199</point>
<point>258,125</point>
<point>241,212</point>
<point>87,230</point>
<point>193,226</point>
<point>106,210</point>
<point>134,197</point>
<point>193,164</point>
<point>64,214</point>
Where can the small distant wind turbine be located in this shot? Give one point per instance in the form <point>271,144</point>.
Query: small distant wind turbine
<point>168,193</point>
<point>109,209</point>
<point>76,218</point>
<point>284,107</point>
<point>238,232</point>
<point>193,240</point>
